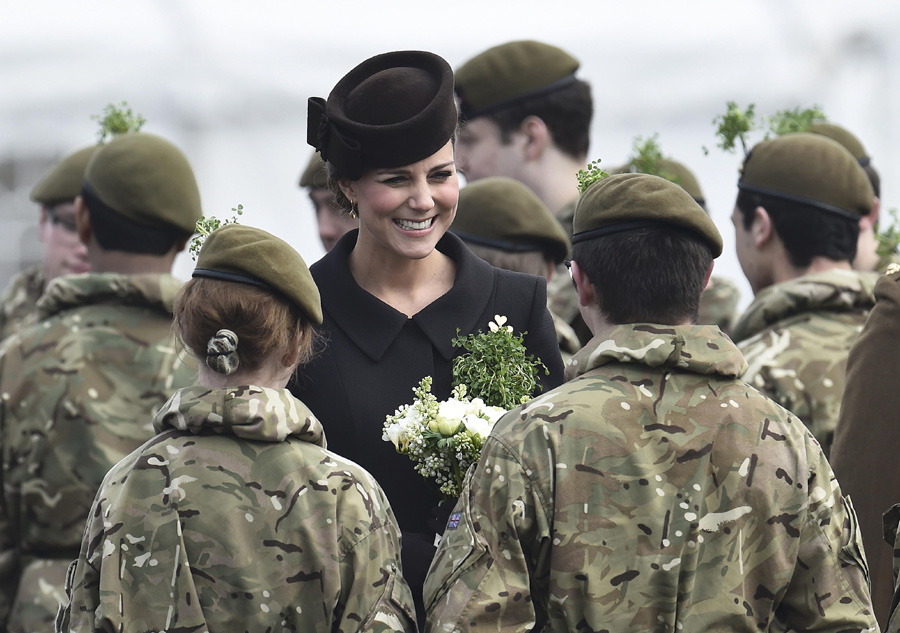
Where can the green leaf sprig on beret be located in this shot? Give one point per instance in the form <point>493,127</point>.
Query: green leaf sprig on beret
<point>117,119</point>
<point>591,174</point>
<point>735,125</point>
<point>796,120</point>
<point>647,158</point>
<point>206,225</point>
<point>889,236</point>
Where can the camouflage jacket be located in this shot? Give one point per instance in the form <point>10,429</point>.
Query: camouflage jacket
<point>891,527</point>
<point>78,389</point>
<point>561,295</point>
<point>796,336</point>
<point>18,303</point>
<point>235,518</point>
<point>655,491</point>
<point>718,304</point>
<point>566,337</point>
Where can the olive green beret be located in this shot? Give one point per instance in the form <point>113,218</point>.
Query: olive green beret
<point>503,213</point>
<point>631,201</point>
<point>391,110</point>
<point>63,182</point>
<point>247,255</point>
<point>844,137</point>
<point>315,176</point>
<point>810,169</point>
<point>145,179</point>
<point>506,74</point>
<point>673,171</point>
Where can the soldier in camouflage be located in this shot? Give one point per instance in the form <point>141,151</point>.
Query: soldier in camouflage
<point>78,387</point>
<point>64,254</point>
<point>796,227</point>
<point>525,115</point>
<point>235,517</point>
<point>508,226</point>
<point>654,491</point>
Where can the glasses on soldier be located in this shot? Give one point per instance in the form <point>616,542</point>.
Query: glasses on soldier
<point>66,221</point>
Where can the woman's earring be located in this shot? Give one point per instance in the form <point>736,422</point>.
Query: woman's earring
<point>353,211</point>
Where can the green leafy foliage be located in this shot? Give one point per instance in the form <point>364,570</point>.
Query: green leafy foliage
<point>647,156</point>
<point>117,119</point>
<point>735,125</point>
<point>496,366</point>
<point>206,225</point>
<point>796,120</point>
<point>889,236</point>
<point>590,175</point>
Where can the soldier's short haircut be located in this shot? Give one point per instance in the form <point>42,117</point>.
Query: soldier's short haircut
<point>567,112</point>
<point>115,232</point>
<point>264,321</point>
<point>805,231</point>
<point>647,275</point>
<point>529,262</point>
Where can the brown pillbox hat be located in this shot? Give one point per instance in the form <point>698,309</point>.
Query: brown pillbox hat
<point>632,201</point>
<point>315,176</point>
<point>392,110</point>
<point>146,179</point>
<point>63,182</point>
<point>504,75</point>
<point>809,169</point>
<point>247,255</point>
<point>503,213</point>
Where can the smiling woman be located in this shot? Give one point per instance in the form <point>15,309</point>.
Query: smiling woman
<point>397,291</point>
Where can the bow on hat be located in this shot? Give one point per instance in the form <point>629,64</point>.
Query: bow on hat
<point>328,140</point>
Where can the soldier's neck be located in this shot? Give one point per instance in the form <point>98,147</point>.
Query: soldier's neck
<point>129,263</point>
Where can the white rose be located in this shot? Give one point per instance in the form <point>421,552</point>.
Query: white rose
<point>477,425</point>
<point>449,417</point>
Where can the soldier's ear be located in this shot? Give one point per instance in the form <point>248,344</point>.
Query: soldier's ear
<point>82,221</point>
<point>587,294</point>
<point>536,135</point>
<point>709,272</point>
<point>762,230</point>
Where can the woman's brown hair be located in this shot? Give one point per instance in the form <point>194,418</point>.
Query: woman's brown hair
<point>264,322</point>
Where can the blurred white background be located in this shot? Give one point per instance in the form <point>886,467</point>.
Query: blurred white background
<point>227,81</point>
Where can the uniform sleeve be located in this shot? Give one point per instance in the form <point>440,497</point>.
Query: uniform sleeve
<point>377,598</point>
<point>864,455</point>
<point>9,550</point>
<point>490,556</point>
<point>541,340</point>
<point>829,588</point>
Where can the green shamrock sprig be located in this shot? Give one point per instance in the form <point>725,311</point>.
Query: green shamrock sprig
<point>117,119</point>
<point>206,225</point>
<point>591,174</point>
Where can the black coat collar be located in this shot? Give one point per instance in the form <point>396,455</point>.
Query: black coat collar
<point>373,325</point>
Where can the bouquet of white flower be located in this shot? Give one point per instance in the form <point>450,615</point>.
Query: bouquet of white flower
<point>445,438</point>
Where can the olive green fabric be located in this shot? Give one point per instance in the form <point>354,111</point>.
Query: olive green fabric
<point>505,214</point>
<point>146,179</point>
<point>505,74</point>
<point>810,169</point>
<point>236,249</point>
<point>391,110</point>
<point>623,199</point>
<point>842,136</point>
<point>672,171</point>
<point>63,182</point>
<point>315,176</point>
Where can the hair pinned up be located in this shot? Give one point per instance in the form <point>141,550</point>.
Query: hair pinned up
<point>221,352</point>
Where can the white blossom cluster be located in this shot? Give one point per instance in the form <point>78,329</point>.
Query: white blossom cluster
<point>442,438</point>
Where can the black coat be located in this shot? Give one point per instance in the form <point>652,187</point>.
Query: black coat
<point>375,356</point>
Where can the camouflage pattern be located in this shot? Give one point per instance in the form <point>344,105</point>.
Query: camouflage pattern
<point>78,389</point>
<point>892,537</point>
<point>886,261</point>
<point>236,518</point>
<point>655,491</point>
<point>796,336</point>
<point>718,304</point>
<point>18,303</point>
<point>561,297</point>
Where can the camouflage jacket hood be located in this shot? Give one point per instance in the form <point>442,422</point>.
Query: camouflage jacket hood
<point>829,291</point>
<point>700,349</point>
<point>248,412</point>
<point>155,291</point>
